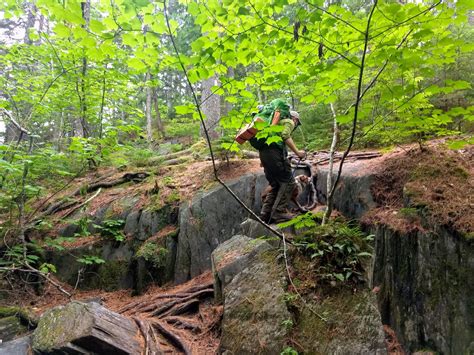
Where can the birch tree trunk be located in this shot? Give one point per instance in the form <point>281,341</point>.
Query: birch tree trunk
<point>329,205</point>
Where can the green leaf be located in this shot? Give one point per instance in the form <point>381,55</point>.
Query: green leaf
<point>61,30</point>
<point>273,139</point>
<point>185,109</point>
<point>136,63</point>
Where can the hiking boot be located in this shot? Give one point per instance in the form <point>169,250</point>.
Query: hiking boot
<point>280,217</point>
<point>265,217</point>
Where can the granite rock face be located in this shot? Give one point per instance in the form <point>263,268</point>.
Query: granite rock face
<point>20,346</point>
<point>232,257</point>
<point>353,197</point>
<point>211,218</point>
<point>426,285</point>
<point>121,267</point>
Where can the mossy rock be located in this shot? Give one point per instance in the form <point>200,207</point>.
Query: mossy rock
<point>110,276</point>
<point>352,316</point>
<point>15,321</point>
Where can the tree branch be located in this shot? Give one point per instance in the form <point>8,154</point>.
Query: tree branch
<point>206,133</point>
<point>357,102</point>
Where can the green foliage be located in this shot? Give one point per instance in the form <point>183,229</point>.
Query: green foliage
<point>287,324</point>
<point>289,351</point>
<point>336,249</point>
<point>153,253</point>
<point>174,196</point>
<point>83,223</point>
<point>19,256</point>
<point>112,228</point>
<point>90,260</point>
<point>57,242</point>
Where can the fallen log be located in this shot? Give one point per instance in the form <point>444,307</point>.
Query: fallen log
<point>85,328</point>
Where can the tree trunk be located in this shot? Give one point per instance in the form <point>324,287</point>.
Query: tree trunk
<point>149,126</point>
<point>102,103</point>
<point>329,203</point>
<point>30,10</point>
<point>211,108</point>
<point>159,122</point>
<point>86,8</point>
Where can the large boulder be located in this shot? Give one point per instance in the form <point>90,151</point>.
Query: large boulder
<point>253,285</point>
<point>210,219</point>
<point>20,346</point>
<point>232,257</point>
<point>84,328</point>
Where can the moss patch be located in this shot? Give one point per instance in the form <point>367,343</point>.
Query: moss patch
<point>437,182</point>
<point>352,323</point>
<point>110,275</point>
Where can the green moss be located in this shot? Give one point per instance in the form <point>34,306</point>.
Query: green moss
<point>343,311</point>
<point>110,275</point>
<point>154,254</point>
<point>11,327</point>
<point>26,316</point>
<point>60,326</point>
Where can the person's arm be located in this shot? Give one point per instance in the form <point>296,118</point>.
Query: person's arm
<point>288,126</point>
<point>290,144</point>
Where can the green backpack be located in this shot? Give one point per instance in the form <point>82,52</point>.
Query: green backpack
<point>267,114</point>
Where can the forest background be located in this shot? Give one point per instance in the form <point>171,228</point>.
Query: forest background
<point>88,83</point>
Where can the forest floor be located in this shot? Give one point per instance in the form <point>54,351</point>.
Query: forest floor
<point>435,180</point>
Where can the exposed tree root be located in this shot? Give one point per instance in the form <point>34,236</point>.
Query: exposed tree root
<point>141,306</point>
<point>172,336</point>
<point>185,323</point>
<point>172,322</point>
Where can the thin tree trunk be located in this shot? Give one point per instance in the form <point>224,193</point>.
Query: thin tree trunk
<point>159,122</point>
<point>85,7</point>
<point>101,113</point>
<point>149,121</point>
<point>330,202</point>
<point>59,131</point>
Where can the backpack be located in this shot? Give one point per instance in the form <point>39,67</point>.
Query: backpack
<point>271,113</point>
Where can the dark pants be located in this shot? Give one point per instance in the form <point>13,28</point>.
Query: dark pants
<point>277,170</point>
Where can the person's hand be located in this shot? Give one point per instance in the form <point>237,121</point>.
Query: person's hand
<point>301,154</point>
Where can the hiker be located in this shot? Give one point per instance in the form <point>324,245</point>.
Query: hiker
<point>277,168</point>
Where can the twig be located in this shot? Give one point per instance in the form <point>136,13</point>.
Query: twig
<point>50,280</point>
<point>328,212</point>
<point>82,204</point>
<point>287,267</point>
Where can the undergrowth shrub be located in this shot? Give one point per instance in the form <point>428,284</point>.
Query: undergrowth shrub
<point>336,250</point>
<point>153,253</point>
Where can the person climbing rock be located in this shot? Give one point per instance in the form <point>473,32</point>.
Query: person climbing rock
<point>274,159</point>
